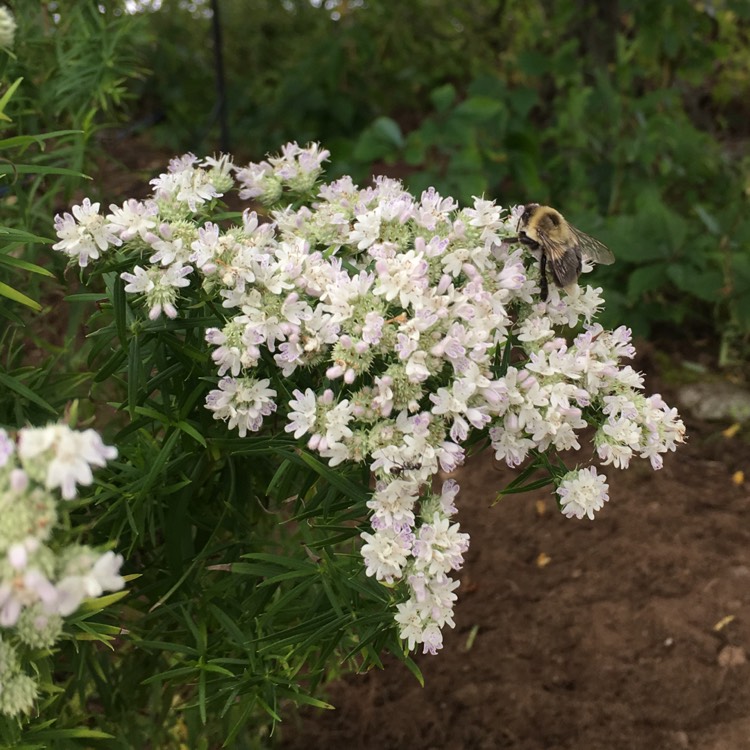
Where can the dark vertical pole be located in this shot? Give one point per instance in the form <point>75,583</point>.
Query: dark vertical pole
<point>221,91</point>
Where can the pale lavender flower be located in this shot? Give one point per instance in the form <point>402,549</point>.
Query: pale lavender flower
<point>439,546</point>
<point>159,286</point>
<point>7,447</point>
<point>386,553</point>
<point>89,578</point>
<point>7,28</point>
<point>205,248</point>
<point>84,234</point>
<point>132,219</point>
<point>167,248</point>
<point>393,502</point>
<point>186,183</point>
<point>259,181</point>
<point>303,413</point>
<point>64,455</point>
<point>582,492</point>
<point>242,403</point>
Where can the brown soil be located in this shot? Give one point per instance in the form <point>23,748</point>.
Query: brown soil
<point>633,636</point>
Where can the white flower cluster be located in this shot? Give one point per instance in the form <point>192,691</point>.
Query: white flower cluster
<point>412,323</point>
<point>7,28</point>
<point>40,585</point>
<point>18,691</point>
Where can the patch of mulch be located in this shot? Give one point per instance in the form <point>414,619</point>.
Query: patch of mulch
<point>633,636</point>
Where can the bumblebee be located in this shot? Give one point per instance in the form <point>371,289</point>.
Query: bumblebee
<point>562,245</point>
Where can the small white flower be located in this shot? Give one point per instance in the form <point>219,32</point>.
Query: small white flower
<point>7,447</point>
<point>304,410</point>
<point>139,282</point>
<point>393,503</point>
<point>63,456</point>
<point>582,492</point>
<point>439,546</point>
<point>103,575</point>
<point>168,249</point>
<point>160,286</point>
<point>242,402</point>
<point>85,234</point>
<point>132,219</point>
<point>7,28</point>
<point>185,183</point>
<point>336,422</point>
<point>259,181</point>
<point>366,229</point>
<point>385,553</point>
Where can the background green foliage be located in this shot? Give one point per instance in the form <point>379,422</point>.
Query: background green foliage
<point>66,80</point>
<point>630,117</point>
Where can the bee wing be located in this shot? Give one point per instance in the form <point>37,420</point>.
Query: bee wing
<point>591,249</point>
<point>564,261</point>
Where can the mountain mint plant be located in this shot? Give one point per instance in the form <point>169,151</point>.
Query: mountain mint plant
<point>383,329</point>
<point>42,580</point>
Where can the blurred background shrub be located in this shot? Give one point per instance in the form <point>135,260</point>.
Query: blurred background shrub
<point>66,75</point>
<point>630,117</point>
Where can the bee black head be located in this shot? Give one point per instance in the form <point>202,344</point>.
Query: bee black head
<point>528,211</point>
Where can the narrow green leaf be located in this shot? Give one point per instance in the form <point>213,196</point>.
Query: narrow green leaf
<point>414,669</point>
<point>111,365</point>
<point>268,709</point>
<point>24,265</point>
<point>535,464</point>
<point>217,669</point>
<point>170,674</point>
<point>177,585</point>
<point>288,576</point>
<point>334,478</point>
<point>190,430</point>
<point>306,700</point>
<point>12,234</point>
<point>43,170</point>
<point>157,416</point>
<point>16,296</point>
<point>229,625</point>
<point>71,734</point>
<point>15,385</point>
<point>526,487</point>
<point>178,648</point>
<point>119,307</point>
<point>38,138</point>
<point>241,722</point>
<point>202,697</point>
<point>280,560</point>
<point>84,297</point>
<point>101,602</point>
<point>159,463</point>
<point>8,95</point>
<point>135,368</point>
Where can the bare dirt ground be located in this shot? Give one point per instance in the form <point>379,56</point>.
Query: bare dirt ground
<point>633,635</point>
